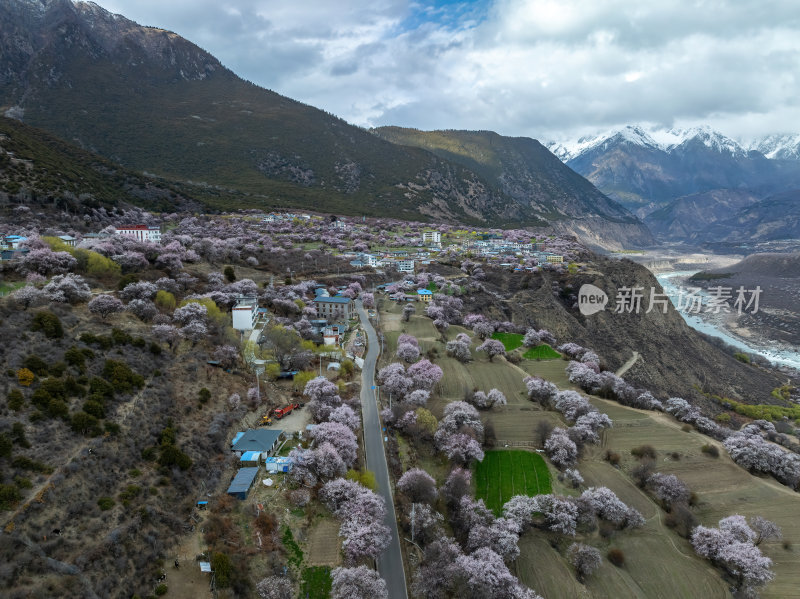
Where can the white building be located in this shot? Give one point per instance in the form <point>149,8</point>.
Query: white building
<point>431,237</point>
<point>245,313</point>
<point>141,232</point>
<point>406,266</point>
<point>370,260</point>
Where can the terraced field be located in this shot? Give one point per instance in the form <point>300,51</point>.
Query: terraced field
<point>505,473</point>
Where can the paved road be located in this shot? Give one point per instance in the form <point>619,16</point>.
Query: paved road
<point>390,564</point>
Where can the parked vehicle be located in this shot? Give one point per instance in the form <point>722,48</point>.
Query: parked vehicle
<point>286,410</point>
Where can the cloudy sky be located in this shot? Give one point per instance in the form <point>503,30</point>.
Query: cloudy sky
<point>551,69</point>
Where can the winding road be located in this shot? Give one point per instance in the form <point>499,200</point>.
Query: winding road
<point>390,563</point>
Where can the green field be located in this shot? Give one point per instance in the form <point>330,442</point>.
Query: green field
<point>316,582</point>
<point>541,352</point>
<point>6,287</point>
<point>503,474</point>
<point>511,341</point>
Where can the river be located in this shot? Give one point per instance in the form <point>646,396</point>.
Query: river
<point>672,283</point>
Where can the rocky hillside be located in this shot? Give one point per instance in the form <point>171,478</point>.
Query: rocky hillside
<point>39,169</point>
<point>674,359</point>
<point>526,171</point>
<point>155,102</point>
<point>687,217</point>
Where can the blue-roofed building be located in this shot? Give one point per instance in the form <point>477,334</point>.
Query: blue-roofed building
<point>334,308</point>
<point>261,440</point>
<point>250,458</point>
<point>242,482</point>
<point>424,295</point>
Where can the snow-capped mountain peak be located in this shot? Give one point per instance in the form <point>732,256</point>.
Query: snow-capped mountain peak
<point>666,140</point>
<point>780,146</point>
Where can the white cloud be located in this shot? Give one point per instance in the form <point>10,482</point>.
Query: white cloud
<point>542,68</point>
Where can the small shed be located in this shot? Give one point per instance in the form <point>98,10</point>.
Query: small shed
<point>278,464</point>
<point>250,458</point>
<point>242,482</point>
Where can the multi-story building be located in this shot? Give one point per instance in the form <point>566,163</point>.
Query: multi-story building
<point>431,237</point>
<point>245,313</point>
<point>335,308</point>
<point>141,232</point>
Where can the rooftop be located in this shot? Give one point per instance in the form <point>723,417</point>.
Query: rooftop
<point>338,299</point>
<point>243,480</point>
<point>257,440</point>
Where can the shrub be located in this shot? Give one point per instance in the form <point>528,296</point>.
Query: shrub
<point>9,496</point>
<point>105,503</point>
<point>36,365</point>
<point>121,377</point>
<point>165,300</point>
<point>644,451</point>
<point>613,458</point>
<point>48,323</point>
<point>25,377</point>
<point>223,569</point>
<point>229,273</point>
<point>686,428</point>
<point>161,590</point>
<point>204,395</point>
<point>16,400</point>
<point>710,450</point>
<point>25,463</point>
<point>155,348</point>
<point>616,557</point>
<point>5,446</point>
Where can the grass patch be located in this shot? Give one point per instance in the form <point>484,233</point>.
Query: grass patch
<point>316,582</point>
<point>503,474</point>
<point>6,287</point>
<point>511,341</point>
<point>292,548</point>
<point>541,352</point>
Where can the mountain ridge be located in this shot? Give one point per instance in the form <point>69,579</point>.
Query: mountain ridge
<point>154,102</point>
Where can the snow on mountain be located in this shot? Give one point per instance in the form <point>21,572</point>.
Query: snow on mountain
<point>781,146</point>
<point>633,134</point>
<point>666,140</point>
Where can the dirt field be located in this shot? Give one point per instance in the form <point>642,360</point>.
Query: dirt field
<point>324,544</point>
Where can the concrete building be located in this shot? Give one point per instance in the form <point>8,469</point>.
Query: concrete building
<point>334,308</point>
<point>245,313</point>
<point>150,233</point>
<point>424,295</point>
<point>431,237</point>
<point>405,266</point>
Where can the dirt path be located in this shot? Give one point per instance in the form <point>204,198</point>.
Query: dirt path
<point>37,493</point>
<point>627,365</point>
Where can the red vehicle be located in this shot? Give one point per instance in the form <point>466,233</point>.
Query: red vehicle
<point>284,411</point>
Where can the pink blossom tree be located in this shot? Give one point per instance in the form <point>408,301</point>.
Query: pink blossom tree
<point>275,587</point>
<point>394,380</point>
<point>424,374</point>
<point>418,486</point>
<point>458,350</point>
<point>584,558</point>
<point>407,352</point>
<point>345,415</point>
<point>493,348</point>
<point>357,583</point>
<point>105,305</point>
<point>561,450</point>
<point>340,437</point>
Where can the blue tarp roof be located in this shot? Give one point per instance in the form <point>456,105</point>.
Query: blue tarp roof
<point>251,456</point>
<point>278,460</point>
<point>243,480</point>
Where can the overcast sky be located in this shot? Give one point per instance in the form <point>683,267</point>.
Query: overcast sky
<point>539,68</point>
